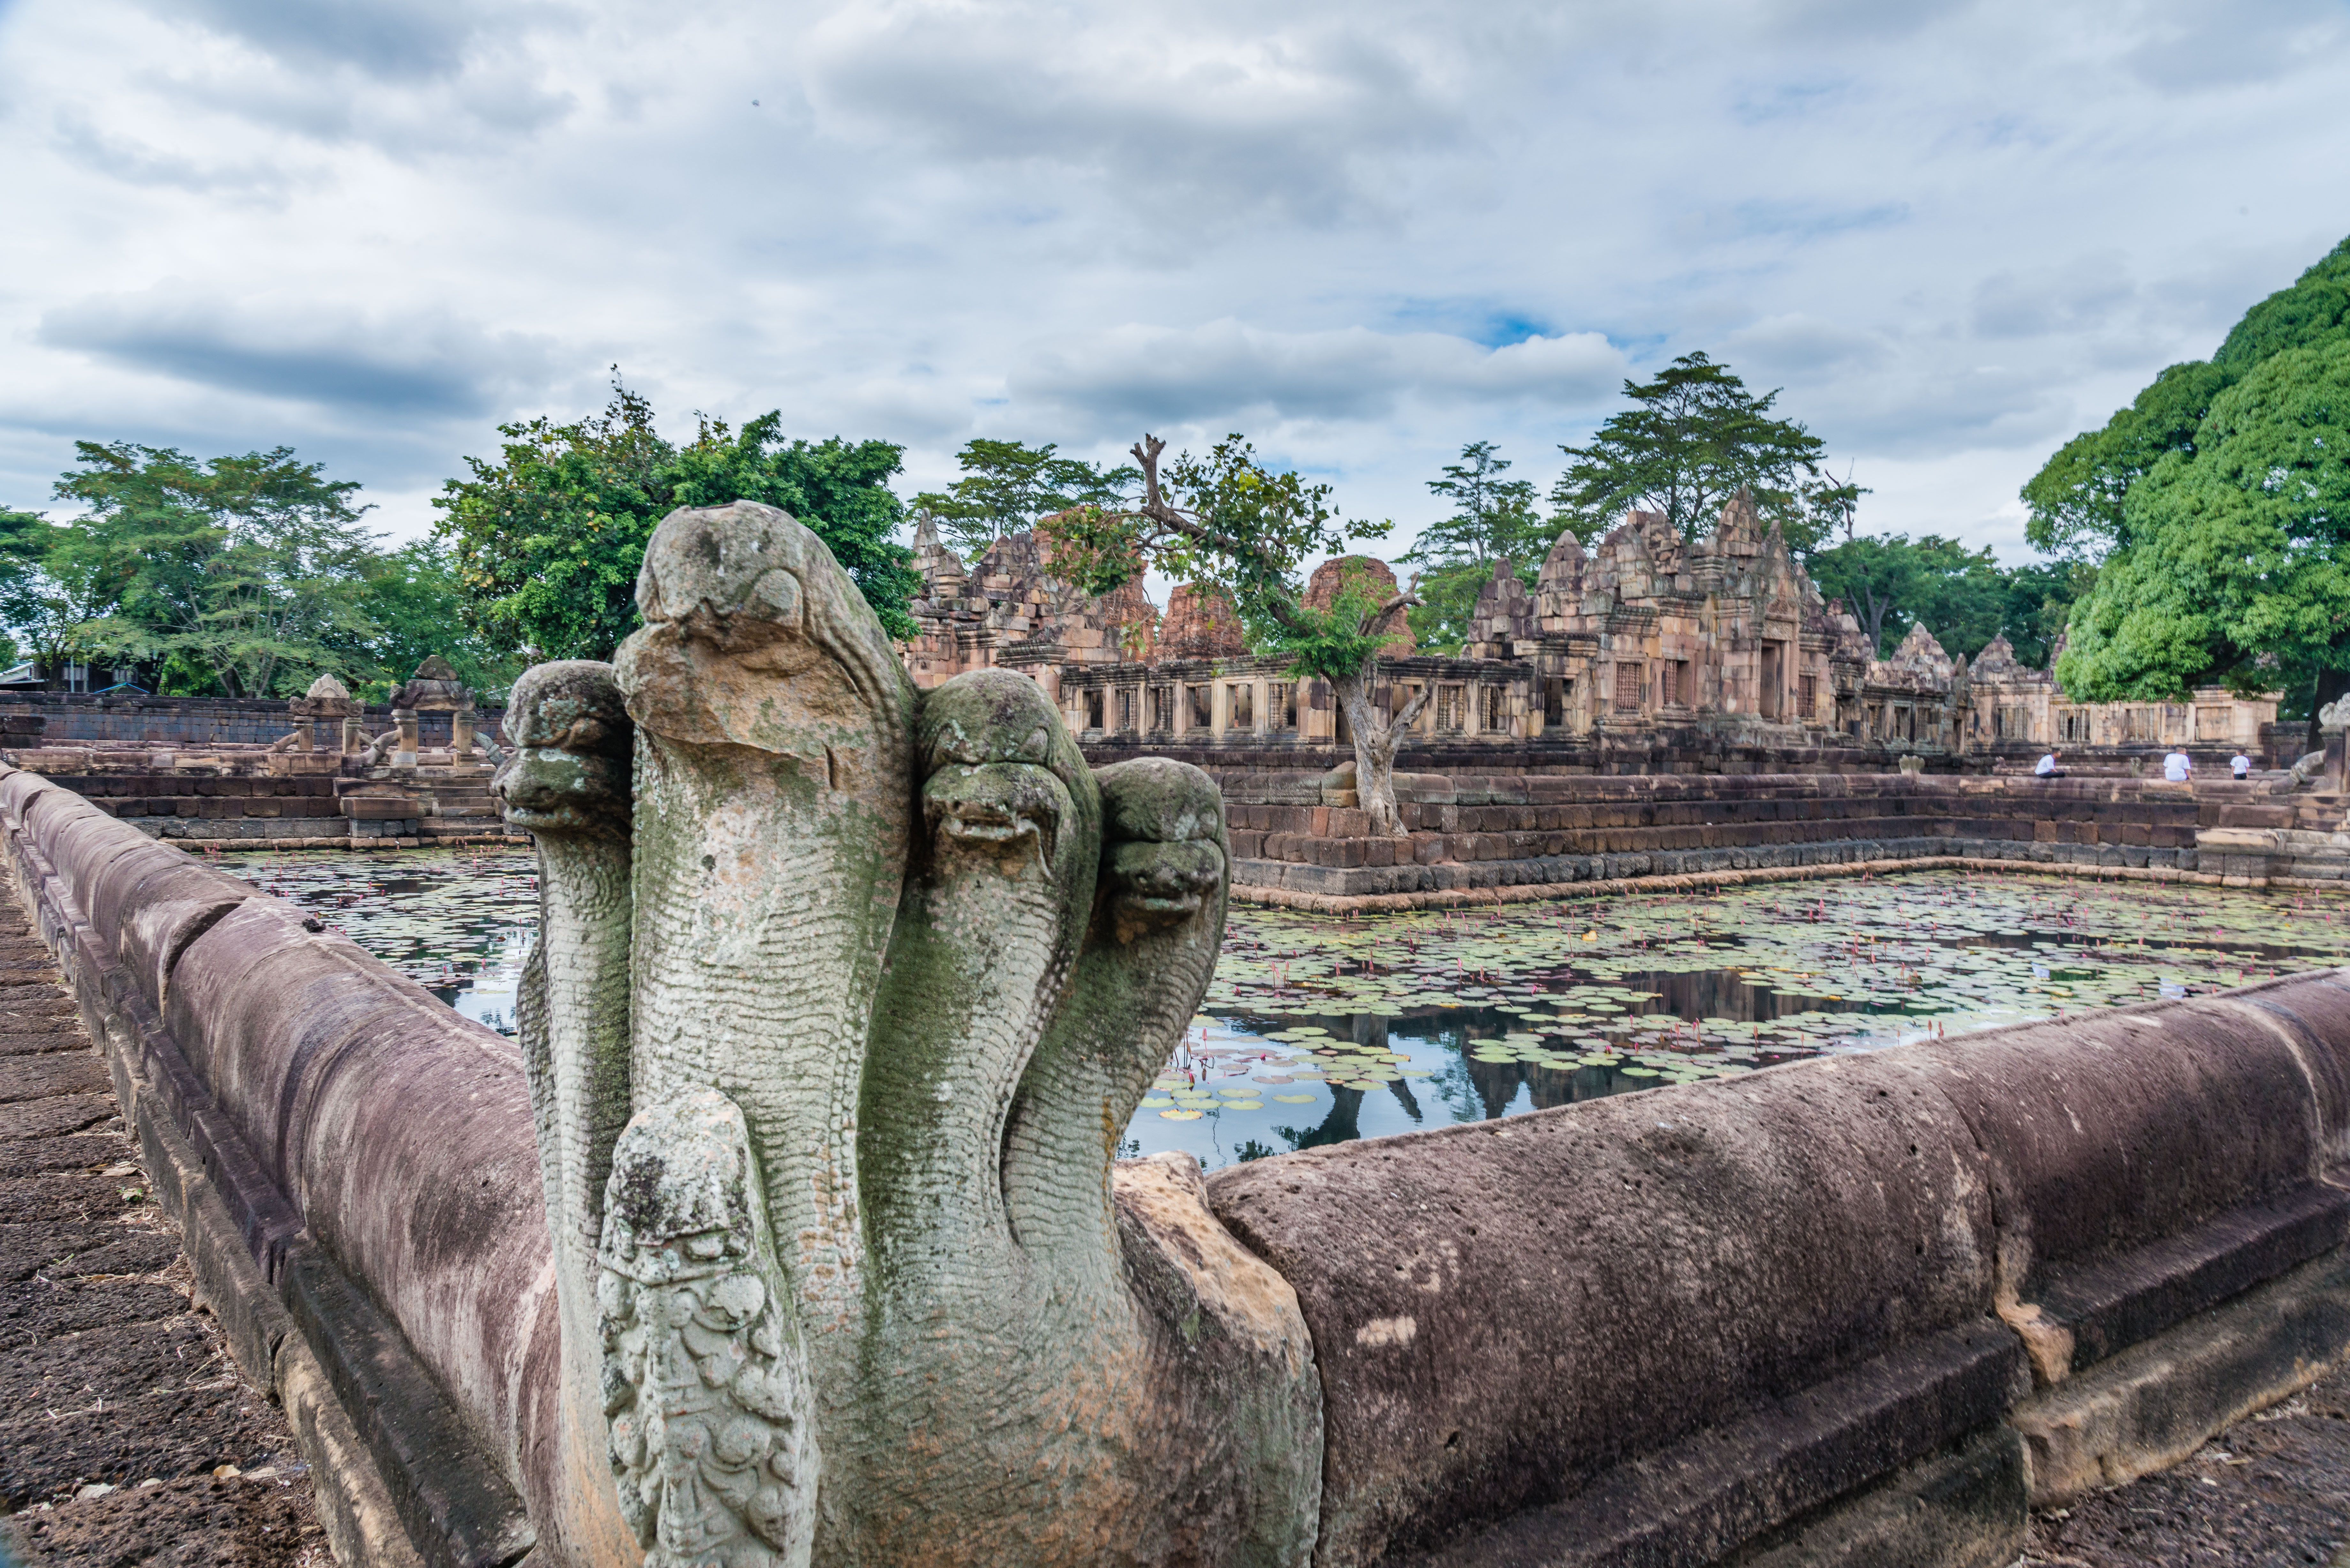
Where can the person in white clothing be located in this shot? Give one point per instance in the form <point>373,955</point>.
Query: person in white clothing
<point>2178,767</point>
<point>2243,766</point>
<point>2048,768</point>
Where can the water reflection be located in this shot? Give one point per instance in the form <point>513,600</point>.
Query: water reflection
<point>1319,1031</point>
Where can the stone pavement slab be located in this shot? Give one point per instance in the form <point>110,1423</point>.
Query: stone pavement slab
<point>128,1434</point>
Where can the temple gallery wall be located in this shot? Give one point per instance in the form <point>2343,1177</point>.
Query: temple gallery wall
<point>1642,654</point>
<point>790,1231</point>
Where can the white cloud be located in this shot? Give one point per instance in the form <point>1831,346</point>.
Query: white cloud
<point>1230,371</point>
<point>426,364</point>
<point>1365,233</point>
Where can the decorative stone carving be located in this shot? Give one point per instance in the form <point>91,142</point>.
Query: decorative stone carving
<point>898,969</point>
<point>567,781</point>
<point>433,689</point>
<point>705,1381</point>
<point>327,699</point>
<point>1200,623</point>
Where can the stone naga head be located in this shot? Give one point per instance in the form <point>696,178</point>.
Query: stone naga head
<point>753,636</point>
<point>900,965</point>
<point>568,772</point>
<point>1003,778</point>
<point>1164,856</point>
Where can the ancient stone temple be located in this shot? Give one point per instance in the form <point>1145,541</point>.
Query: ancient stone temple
<point>1005,609</point>
<point>1643,653</point>
<point>339,778</point>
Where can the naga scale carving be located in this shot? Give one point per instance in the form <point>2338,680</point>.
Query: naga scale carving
<point>840,1009</point>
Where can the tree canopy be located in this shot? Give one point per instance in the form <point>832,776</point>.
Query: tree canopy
<point>2213,507</point>
<point>222,573</point>
<point>1494,519</point>
<point>2234,561</point>
<point>1006,486</point>
<point>547,539</point>
<point>1694,436</point>
<point>1965,598</point>
<point>246,576</point>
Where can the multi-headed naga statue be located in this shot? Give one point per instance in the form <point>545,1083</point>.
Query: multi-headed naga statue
<point>844,996</point>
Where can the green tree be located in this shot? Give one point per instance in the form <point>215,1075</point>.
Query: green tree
<point>2040,599</point>
<point>26,538</point>
<point>547,539</point>
<point>1006,486</point>
<point>1692,437</point>
<point>1892,583</point>
<point>1234,525</point>
<point>2235,561</point>
<point>2076,499</point>
<point>1494,519</point>
<point>2312,312</point>
<point>2147,497</point>
<point>243,572</point>
<point>417,604</point>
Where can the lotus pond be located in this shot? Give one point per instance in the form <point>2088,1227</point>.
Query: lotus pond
<point>1319,1029</point>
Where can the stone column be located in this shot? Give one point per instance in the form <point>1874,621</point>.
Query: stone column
<point>2333,722</point>
<point>354,734</point>
<point>460,732</point>
<point>303,735</point>
<point>404,749</point>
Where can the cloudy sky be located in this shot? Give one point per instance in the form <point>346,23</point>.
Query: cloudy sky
<point>1365,233</point>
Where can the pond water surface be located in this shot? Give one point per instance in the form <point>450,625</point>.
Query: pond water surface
<point>1319,1029</point>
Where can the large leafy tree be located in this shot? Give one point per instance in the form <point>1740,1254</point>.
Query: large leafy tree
<point>1228,523</point>
<point>25,540</point>
<point>2076,499</point>
<point>1693,437</point>
<point>2235,560</point>
<point>236,575</point>
<point>2209,502</point>
<point>1494,519</point>
<point>547,539</point>
<point>1006,486</point>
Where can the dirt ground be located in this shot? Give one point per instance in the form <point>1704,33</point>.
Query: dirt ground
<point>128,1436</point>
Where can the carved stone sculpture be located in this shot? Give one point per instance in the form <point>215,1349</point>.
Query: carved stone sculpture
<point>567,781</point>
<point>897,969</point>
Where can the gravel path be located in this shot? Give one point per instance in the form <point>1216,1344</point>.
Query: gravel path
<point>128,1436</point>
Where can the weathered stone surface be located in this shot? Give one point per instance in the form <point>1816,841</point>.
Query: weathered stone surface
<point>1200,623</point>
<point>1482,1354</point>
<point>2155,1404</point>
<point>774,803</point>
<point>713,1423</point>
<point>344,1080</point>
<point>567,783</point>
<point>2104,1135</point>
<point>1965,1510</point>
